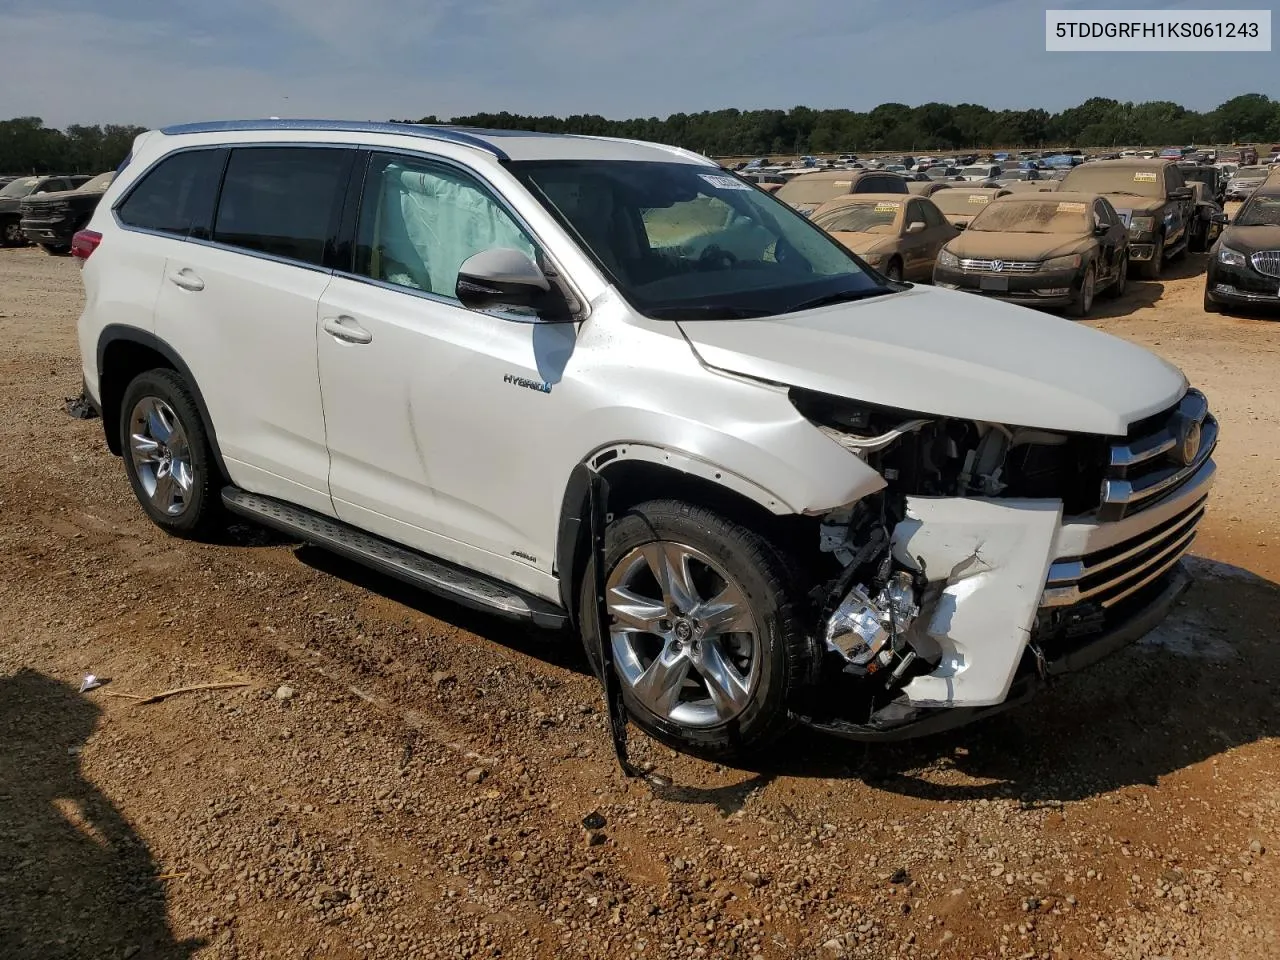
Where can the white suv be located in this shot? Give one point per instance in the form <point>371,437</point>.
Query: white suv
<point>875,508</point>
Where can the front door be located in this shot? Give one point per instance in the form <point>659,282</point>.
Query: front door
<point>434,412</point>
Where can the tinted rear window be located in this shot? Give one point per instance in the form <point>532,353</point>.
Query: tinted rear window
<point>175,194</point>
<point>282,200</point>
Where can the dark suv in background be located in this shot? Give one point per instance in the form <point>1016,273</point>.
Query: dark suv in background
<point>52,219</point>
<point>13,193</point>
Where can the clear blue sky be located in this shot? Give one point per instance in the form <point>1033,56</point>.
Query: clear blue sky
<point>153,62</point>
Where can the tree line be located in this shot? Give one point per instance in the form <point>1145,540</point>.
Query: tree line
<point>28,146</point>
<point>1098,122</point>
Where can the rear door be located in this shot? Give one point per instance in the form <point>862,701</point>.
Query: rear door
<point>238,302</point>
<point>916,260</point>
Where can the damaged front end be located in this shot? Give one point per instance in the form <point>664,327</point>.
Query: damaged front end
<point>995,558</point>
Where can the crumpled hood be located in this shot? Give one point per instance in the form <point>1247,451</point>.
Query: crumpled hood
<point>954,354</point>
<point>1007,245</point>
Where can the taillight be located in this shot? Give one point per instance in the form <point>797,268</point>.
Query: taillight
<point>84,243</point>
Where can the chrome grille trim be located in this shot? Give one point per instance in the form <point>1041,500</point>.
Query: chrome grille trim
<point>1125,568</point>
<point>1266,262</point>
<point>1128,494</point>
<point>1007,266</point>
<point>1193,407</point>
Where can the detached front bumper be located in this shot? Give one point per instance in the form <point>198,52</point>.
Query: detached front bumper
<point>1027,594</point>
<point>1056,288</point>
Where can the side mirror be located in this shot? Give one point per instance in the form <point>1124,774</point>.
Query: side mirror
<point>502,279</point>
<point>1180,193</point>
<point>915,226</point>
<point>1221,218</point>
<point>960,226</point>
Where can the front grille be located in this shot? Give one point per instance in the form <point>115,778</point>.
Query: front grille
<point>1160,454</point>
<point>1109,576</point>
<point>1005,266</point>
<point>1267,262</point>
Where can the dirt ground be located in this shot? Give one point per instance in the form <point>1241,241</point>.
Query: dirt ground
<point>400,778</point>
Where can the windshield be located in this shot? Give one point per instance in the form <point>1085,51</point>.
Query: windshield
<point>684,241</point>
<point>98,183</point>
<point>865,216</point>
<point>1260,211</point>
<point>1139,181</point>
<point>1033,216</point>
<point>20,187</point>
<point>960,202</point>
<point>941,173</point>
<point>1016,175</point>
<point>1246,173</point>
<point>977,171</point>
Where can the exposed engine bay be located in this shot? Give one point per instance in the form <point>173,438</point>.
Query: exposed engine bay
<point>966,505</point>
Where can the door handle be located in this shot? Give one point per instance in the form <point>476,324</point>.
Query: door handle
<point>186,279</point>
<point>346,329</point>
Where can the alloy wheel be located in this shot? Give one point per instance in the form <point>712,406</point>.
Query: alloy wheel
<point>161,455</point>
<point>684,638</point>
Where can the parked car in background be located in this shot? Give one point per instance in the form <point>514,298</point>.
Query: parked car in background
<point>52,219</point>
<point>899,236</point>
<point>982,171</point>
<point>943,172</point>
<point>1153,200</point>
<point>1215,182</point>
<point>1244,181</point>
<point>819,496</point>
<point>1244,264</point>
<point>927,187</point>
<point>964,203</point>
<point>1052,251</point>
<point>809,191</point>
<point>12,195</point>
<point>1020,173</point>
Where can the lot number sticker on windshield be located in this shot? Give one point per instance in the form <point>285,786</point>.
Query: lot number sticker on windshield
<point>724,183</point>
<point>977,198</point>
<point>1144,177</point>
<point>1070,206</point>
<point>887,207</point>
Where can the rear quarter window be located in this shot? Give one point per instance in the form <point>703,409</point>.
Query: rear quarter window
<point>174,195</point>
<point>282,201</point>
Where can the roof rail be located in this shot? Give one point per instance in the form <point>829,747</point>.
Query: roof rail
<point>425,131</point>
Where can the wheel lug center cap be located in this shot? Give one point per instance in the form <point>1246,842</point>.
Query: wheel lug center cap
<point>684,630</point>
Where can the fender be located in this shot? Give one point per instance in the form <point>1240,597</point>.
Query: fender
<point>119,332</point>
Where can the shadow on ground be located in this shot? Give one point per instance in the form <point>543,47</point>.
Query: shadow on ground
<point>1200,684</point>
<point>75,880</point>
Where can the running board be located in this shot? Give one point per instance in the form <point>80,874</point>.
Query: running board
<point>417,569</point>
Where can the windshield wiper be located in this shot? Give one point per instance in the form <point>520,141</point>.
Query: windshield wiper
<point>711,311</point>
<point>845,296</point>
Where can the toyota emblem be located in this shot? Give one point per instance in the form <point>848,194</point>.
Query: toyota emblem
<point>997,265</point>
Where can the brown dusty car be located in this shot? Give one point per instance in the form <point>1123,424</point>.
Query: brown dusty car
<point>1032,186</point>
<point>962,204</point>
<point>898,235</point>
<point>809,191</point>
<point>1047,250</point>
<point>927,188</point>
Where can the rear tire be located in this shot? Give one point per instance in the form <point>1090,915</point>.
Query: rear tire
<point>709,661</point>
<point>1150,270</point>
<point>168,457</point>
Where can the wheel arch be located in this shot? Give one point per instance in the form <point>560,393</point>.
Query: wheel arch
<point>637,472</point>
<point>123,353</point>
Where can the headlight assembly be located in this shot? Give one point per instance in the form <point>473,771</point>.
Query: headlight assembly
<point>1062,263</point>
<point>948,259</point>
<point>1140,225</point>
<point>1232,258</point>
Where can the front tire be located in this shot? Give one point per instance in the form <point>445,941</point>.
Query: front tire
<point>704,632</point>
<point>1150,270</point>
<point>167,455</point>
<point>11,234</point>
<point>1083,303</point>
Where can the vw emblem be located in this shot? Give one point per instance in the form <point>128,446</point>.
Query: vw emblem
<point>1188,442</point>
<point>997,265</point>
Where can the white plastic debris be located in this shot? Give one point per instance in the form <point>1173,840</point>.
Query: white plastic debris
<point>90,682</point>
